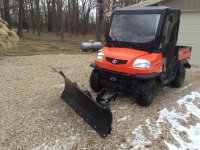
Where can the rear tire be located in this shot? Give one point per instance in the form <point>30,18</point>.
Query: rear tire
<point>95,81</point>
<point>145,92</point>
<point>180,77</point>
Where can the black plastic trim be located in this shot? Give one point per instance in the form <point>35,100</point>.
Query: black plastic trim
<point>147,76</point>
<point>117,61</point>
<point>136,76</point>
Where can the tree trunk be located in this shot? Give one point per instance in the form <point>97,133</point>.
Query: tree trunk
<point>77,19</point>
<point>49,15</point>
<point>69,14</point>
<point>32,15</point>
<point>39,25</point>
<point>44,16</point>
<point>63,22</point>
<point>100,20</point>
<point>20,21</point>
<point>27,16</point>
<point>54,22</point>
<point>1,10</point>
<point>73,16</point>
<point>7,13</point>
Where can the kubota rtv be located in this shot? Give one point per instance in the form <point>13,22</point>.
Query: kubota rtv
<point>140,53</point>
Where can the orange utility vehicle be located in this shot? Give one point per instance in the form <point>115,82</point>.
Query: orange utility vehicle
<point>140,53</point>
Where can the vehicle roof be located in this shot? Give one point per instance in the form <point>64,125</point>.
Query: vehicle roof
<point>147,8</point>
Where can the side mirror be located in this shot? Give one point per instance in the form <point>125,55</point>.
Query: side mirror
<point>91,45</point>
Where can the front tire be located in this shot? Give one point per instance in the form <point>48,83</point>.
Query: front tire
<point>95,81</point>
<point>145,92</point>
<point>180,77</point>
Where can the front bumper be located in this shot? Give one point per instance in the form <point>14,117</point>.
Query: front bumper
<point>123,76</point>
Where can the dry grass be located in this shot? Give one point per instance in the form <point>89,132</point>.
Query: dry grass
<point>32,44</point>
<point>8,38</point>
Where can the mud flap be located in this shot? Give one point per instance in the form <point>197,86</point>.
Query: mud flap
<point>99,117</point>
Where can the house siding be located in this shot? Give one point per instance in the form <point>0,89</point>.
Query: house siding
<point>189,33</point>
<point>183,4</point>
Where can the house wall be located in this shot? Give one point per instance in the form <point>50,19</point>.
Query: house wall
<point>189,32</point>
<point>183,4</point>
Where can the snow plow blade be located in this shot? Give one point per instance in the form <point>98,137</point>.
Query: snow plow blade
<point>98,116</point>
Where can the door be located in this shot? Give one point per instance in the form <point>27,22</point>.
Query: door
<point>170,53</point>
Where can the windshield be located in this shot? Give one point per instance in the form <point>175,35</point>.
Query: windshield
<point>141,28</point>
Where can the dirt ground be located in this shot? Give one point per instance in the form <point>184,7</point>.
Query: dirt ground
<point>32,115</point>
<point>47,43</point>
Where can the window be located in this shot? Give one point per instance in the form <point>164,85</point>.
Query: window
<point>170,29</point>
<point>140,28</point>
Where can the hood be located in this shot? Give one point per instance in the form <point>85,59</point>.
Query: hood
<point>122,53</point>
<point>122,59</point>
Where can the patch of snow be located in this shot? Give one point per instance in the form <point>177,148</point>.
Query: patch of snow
<point>64,143</point>
<point>154,130</point>
<point>123,119</point>
<point>185,87</point>
<point>58,86</point>
<point>189,102</point>
<point>140,140</point>
<point>123,107</point>
<point>174,118</point>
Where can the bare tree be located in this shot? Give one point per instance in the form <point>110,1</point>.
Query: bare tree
<point>77,17</point>
<point>32,15</point>
<point>63,22</point>
<point>39,20</point>
<point>20,16</point>
<point>60,16</point>
<point>1,9</point>
<point>26,15</point>
<point>49,10</point>
<point>100,4</point>
<point>7,13</point>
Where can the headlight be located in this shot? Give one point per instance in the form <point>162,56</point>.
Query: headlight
<point>141,63</point>
<point>100,56</point>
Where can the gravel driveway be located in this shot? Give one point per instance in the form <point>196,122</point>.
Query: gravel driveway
<point>32,116</point>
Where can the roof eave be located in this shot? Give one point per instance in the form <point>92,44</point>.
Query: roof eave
<point>141,4</point>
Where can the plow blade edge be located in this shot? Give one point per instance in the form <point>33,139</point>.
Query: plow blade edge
<point>97,116</point>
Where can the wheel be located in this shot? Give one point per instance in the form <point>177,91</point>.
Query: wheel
<point>95,81</point>
<point>145,92</point>
<point>180,77</point>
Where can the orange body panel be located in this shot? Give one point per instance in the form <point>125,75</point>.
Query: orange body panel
<point>184,53</point>
<point>130,55</point>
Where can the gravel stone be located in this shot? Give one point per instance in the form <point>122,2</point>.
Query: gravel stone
<point>32,115</point>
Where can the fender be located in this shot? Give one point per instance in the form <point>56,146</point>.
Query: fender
<point>185,63</point>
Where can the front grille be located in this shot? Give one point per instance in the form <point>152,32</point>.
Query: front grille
<point>116,61</point>
<point>120,77</point>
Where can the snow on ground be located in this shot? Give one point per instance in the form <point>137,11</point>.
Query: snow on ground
<point>174,118</point>
<point>59,86</point>
<point>181,89</point>
<point>124,118</point>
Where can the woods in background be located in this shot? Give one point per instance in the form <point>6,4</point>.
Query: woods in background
<point>75,17</point>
